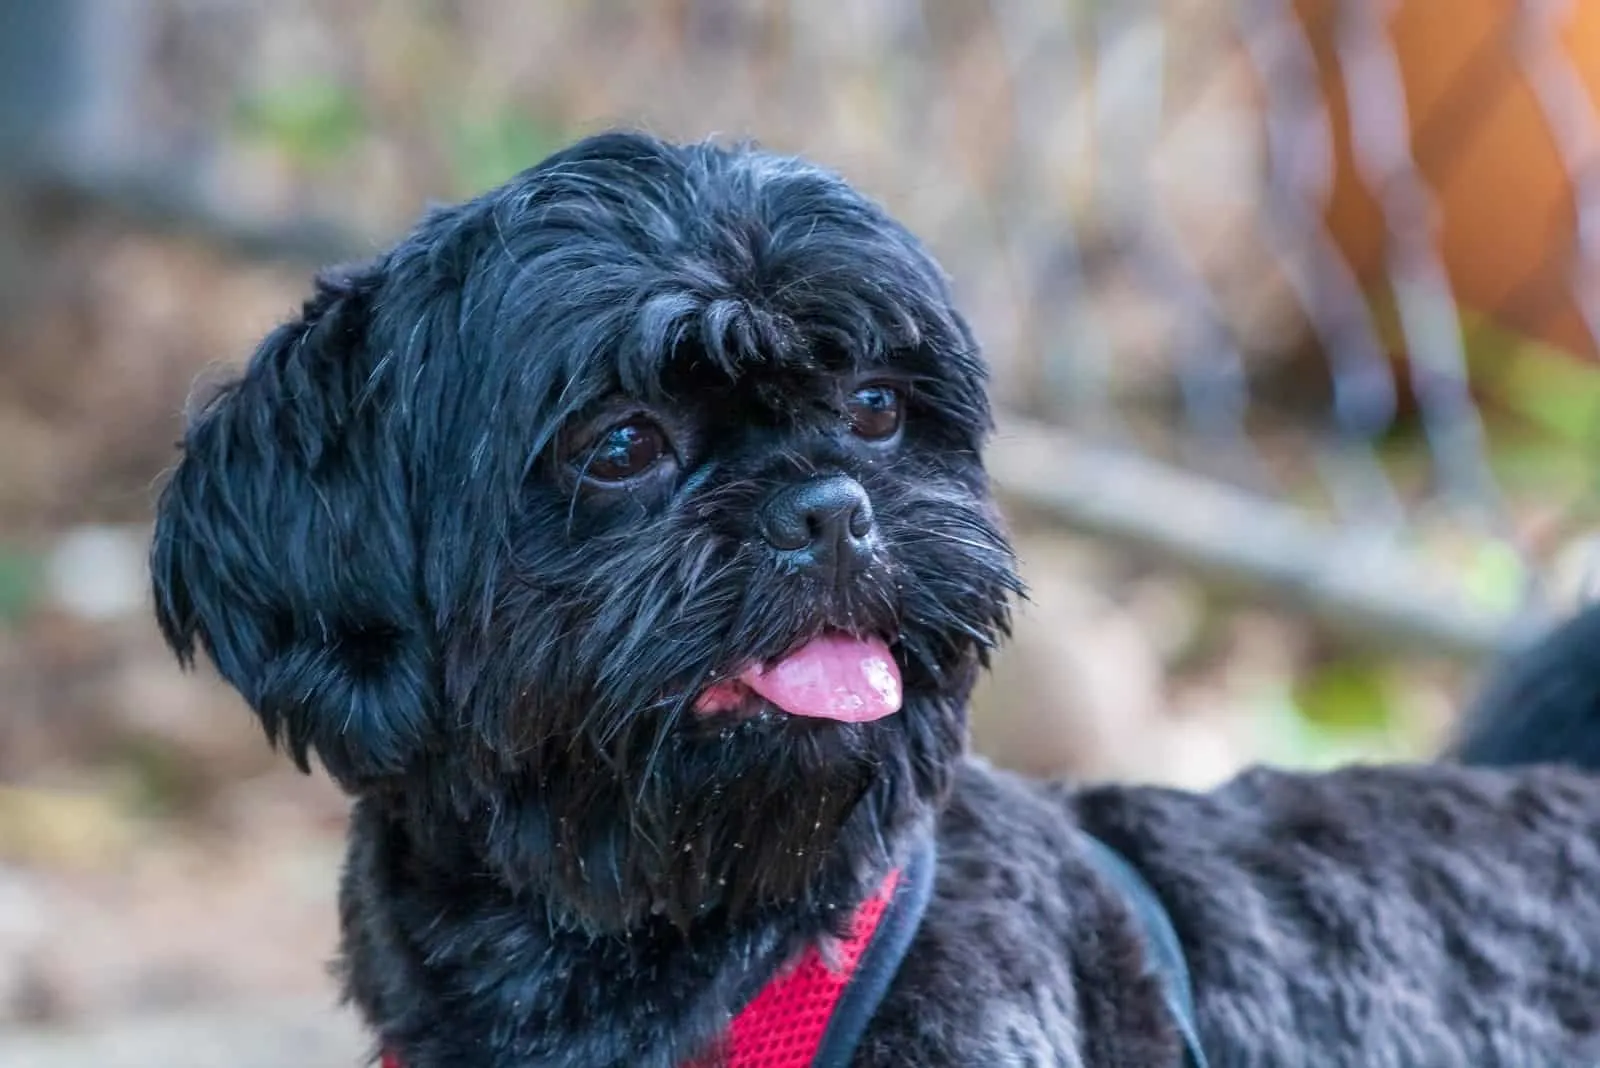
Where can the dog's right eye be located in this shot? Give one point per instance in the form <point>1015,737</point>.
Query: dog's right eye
<point>625,451</point>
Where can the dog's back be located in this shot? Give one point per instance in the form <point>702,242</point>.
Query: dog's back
<point>1541,705</point>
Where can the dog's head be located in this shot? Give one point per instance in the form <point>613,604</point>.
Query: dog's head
<point>627,522</point>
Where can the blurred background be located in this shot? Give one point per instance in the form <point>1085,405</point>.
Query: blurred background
<point>1292,306</point>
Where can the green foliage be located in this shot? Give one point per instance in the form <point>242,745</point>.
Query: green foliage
<point>1350,709</point>
<point>313,121</point>
<point>20,582</point>
<point>1532,463</point>
<point>1540,405</point>
<point>1346,696</point>
<point>1495,577</point>
<point>1550,389</point>
<point>485,152</point>
<point>160,780</point>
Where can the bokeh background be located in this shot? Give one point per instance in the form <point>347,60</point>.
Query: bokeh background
<point>1292,306</point>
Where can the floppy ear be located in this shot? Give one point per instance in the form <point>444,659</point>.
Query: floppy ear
<point>283,545</point>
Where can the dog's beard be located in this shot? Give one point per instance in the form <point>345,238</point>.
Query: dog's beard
<point>606,788</point>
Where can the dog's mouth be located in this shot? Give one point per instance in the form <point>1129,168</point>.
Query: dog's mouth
<point>836,676</point>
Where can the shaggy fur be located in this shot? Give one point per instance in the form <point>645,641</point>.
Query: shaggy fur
<point>1541,705</point>
<point>397,536</point>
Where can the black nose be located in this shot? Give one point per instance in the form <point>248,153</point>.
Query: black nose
<point>825,523</point>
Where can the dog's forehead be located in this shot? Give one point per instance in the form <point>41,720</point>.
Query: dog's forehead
<point>778,386</point>
<point>633,267</point>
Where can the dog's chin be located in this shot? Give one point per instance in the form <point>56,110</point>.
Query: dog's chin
<point>739,808</point>
<point>721,766</point>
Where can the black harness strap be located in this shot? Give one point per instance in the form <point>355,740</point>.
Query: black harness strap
<point>878,965</point>
<point>1163,950</point>
<point>880,962</point>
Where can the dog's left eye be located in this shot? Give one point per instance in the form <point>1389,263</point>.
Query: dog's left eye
<point>625,451</point>
<point>874,412</point>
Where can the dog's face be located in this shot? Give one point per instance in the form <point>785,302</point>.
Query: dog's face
<point>627,523</point>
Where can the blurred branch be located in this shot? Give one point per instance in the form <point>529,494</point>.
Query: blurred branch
<point>156,199</point>
<point>1358,585</point>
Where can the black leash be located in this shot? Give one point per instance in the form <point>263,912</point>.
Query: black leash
<point>1163,950</point>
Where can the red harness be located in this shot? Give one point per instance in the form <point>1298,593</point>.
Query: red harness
<point>784,1024</point>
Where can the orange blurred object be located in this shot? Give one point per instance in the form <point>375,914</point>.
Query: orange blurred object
<point>1481,140</point>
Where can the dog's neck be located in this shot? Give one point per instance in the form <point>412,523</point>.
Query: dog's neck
<point>510,964</point>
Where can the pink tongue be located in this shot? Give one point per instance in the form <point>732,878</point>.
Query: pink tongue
<point>852,680</point>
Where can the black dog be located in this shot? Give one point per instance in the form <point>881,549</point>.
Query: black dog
<point>620,540</point>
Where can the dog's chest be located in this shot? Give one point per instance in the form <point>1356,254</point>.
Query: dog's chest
<point>1030,1029</point>
<point>1032,1032</point>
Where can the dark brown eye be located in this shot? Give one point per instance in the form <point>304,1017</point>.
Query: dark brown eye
<point>624,451</point>
<point>874,412</point>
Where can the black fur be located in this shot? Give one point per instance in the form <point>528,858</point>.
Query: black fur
<point>1541,705</point>
<point>384,536</point>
